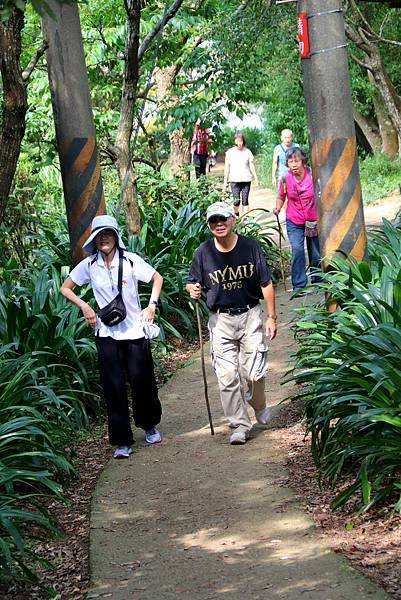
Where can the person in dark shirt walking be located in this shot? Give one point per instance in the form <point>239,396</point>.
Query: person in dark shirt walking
<point>200,148</point>
<point>232,270</point>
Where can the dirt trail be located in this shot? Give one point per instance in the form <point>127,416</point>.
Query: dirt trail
<point>198,519</point>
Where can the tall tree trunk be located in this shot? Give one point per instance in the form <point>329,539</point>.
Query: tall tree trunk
<point>388,133</point>
<point>361,34</point>
<point>391,102</point>
<point>73,121</point>
<point>134,53</point>
<point>179,144</point>
<point>15,103</point>
<point>124,164</point>
<point>369,131</point>
<point>180,156</point>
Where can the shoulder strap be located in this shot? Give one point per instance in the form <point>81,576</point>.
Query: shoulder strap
<point>131,262</point>
<point>120,270</point>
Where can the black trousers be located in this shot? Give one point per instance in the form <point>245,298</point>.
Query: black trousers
<point>200,164</point>
<point>119,361</point>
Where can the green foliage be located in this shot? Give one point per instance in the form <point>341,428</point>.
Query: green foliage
<point>171,232</point>
<point>48,385</point>
<point>32,418</point>
<point>35,318</point>
<point>348,365</point>
<point>34,209</point>
<point>255,138</point>
<point>264,235</point>
<point>380,176</point>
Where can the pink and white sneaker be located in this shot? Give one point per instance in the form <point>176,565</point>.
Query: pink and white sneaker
<point>122,452</point>
<point>153,436</point>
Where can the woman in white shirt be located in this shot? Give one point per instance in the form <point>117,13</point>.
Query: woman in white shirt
<point>123,348</point>
<point>239,168</point>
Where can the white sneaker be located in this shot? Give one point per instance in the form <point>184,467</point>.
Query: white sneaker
<point>238,438</point>
<point>262,416</point>
<point>152,436</point>
<point>122,452</point>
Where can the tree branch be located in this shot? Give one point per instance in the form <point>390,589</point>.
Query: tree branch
<point>356,10</point>
<point>34,60</point>
<point>360,62</point>
<point>145,161</point>
<point>167,16</point>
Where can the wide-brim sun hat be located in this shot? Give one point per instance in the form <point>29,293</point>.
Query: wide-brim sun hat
<point>100,223</point>
<point>221,209</point>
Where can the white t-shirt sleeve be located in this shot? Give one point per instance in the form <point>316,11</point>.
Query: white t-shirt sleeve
<point>81,273</point>
<point>143,271</point>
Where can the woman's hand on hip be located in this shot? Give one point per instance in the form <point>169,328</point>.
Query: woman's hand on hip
<point>90,315</point>
<point>148,313</point>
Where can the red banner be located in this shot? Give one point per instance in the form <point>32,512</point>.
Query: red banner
<point>303,38</point>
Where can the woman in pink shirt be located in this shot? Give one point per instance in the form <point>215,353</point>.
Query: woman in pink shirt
<point>301,220</point>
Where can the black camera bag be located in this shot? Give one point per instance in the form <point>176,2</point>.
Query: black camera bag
<point>115,312</point>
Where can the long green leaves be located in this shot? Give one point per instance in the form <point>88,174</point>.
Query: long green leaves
<point>48,382</point>
<point>348,363</point>
<point>33,422</point>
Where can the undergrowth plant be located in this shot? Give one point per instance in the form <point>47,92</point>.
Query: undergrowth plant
<point>48,387</point>
<point>349,367</point>
<point>37,418</point>
<point>380,176</point>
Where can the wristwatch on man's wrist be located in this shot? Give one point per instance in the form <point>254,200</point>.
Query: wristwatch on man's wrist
<point>154,302</point>
<point>274,317</point>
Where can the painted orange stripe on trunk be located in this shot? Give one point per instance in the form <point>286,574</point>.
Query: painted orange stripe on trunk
<point>320,151</point>
<point>358,251</point>
<point>340,174</point>
<point>86,194</point>
<point>84,157</point>
<point>338,233</point>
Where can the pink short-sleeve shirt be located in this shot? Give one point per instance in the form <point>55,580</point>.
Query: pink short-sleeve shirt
<point>300,196</point>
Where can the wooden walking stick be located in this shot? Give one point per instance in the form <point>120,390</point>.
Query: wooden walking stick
<point>280,249</point>
<point>203,366</point>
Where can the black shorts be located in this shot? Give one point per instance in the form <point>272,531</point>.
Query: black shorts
<point>240,192</point>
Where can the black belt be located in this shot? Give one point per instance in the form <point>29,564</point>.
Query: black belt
<point>240,310</point>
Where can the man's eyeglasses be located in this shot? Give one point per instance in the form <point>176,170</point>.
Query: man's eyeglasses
<point>217,219</point>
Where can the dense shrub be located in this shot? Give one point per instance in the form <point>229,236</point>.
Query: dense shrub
<point>48,385</point>
<point>37,417</point>
<point>348,363</point>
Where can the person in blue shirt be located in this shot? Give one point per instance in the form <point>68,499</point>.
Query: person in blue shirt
<point>279,167</point>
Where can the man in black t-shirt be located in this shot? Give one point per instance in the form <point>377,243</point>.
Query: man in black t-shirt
<point>232,270</point>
